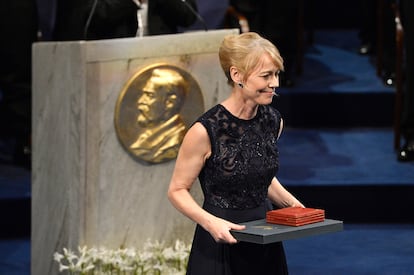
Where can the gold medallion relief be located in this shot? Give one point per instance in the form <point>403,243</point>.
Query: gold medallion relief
<point>154,110</point>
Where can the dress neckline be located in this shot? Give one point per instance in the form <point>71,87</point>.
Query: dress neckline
<point>237,118</point>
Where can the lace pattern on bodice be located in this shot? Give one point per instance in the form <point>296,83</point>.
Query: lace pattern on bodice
<point>244,157</point>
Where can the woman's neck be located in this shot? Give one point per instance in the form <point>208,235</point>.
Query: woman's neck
<point>240,108</point>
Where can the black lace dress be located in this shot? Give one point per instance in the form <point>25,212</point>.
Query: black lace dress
<point>234,181</point>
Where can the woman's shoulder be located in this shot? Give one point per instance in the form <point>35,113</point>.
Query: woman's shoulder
<point>210,113</point>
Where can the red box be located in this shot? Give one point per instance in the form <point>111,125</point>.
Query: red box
<point>295,216</point>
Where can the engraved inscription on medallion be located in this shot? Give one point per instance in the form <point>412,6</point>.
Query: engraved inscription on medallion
<point>154,110</point>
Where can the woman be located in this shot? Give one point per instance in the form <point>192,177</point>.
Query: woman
<point>232,149</point>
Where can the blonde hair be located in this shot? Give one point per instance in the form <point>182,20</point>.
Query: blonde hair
<point>245,51</point>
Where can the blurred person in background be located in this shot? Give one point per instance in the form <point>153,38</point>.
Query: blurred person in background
<point>407,117</point>
<point>62,20</point>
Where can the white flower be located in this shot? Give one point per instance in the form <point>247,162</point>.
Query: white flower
<point>154,258</point>
<point>57,257</point>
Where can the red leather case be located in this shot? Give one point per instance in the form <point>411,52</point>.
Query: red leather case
<point>295,216</point>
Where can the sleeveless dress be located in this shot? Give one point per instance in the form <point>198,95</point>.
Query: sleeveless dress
<point>234,181</point>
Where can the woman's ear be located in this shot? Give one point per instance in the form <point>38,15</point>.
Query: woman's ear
<point>235,75</point>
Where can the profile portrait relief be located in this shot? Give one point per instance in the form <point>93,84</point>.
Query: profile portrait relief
<point>154,112</point>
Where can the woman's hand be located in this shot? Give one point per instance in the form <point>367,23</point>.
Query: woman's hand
<point>297,203</point>
<point>279,196</point>
<point>219,229</point>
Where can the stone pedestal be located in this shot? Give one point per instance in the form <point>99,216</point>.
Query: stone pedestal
<point>86,189</point>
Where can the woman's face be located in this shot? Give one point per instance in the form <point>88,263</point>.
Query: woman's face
<point>263,81</point>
